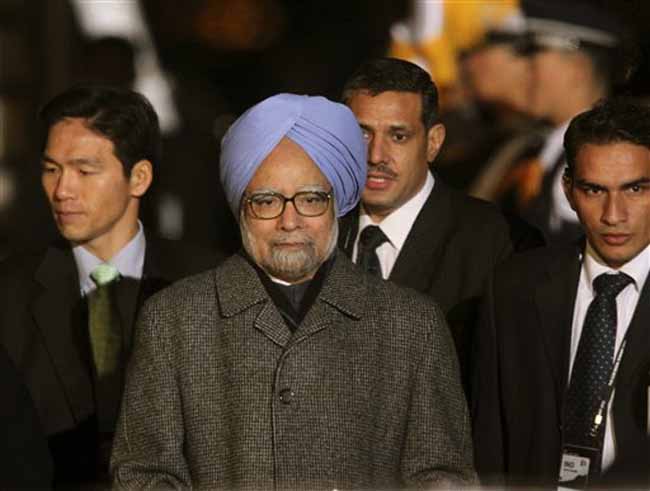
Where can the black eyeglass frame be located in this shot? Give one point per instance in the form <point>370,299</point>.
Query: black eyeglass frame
<point>324,194</point>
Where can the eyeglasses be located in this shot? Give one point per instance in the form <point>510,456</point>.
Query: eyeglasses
<point>267,206</point>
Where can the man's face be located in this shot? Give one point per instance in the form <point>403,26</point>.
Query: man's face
<point>399,148</point>
<point>560,79</point>
<point>290,247</point>
<point>610,192</point>
<point>93,203</point>
<point>496,74</point>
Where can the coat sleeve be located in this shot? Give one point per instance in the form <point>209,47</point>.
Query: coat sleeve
<point>485,392</point>
<point>148,446</point>
<point>438,446</point>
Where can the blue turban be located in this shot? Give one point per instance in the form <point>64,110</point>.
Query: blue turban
<point>327,131</point>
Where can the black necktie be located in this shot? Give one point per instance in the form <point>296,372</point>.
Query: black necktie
<point>593,365</point>
<point>371,237</point>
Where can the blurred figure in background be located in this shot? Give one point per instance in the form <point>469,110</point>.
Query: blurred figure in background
<point>182,202</point>
<point>497,80</point>
<point>572,49</point>
<point>107,60</point>
<point>436,33</point>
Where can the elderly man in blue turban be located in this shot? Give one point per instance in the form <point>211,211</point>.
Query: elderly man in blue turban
<point>287,367</point>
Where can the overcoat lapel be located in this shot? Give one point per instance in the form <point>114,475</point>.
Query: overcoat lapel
<point>342,292</point>
<point>59,315</point>
<point>270,323</point>
<point>555,297</point>
<point>239,288</point>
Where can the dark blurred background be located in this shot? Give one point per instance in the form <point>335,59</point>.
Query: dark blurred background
<point>202,62</point>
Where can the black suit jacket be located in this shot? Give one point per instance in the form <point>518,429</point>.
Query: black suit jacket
<point>521,372</point>
<point>26,462</point>
<point>43,327</point>
<point>450,252</point>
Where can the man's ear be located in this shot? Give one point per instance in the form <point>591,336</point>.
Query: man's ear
<point>567,185</point>
<point>140,178</point>
<point>435,138</point>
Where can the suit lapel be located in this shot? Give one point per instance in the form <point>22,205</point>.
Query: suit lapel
<point>637,350</point>
<point>60,317</point>
<point>132,293</point>
<point>555,298</point>
<point>420,256</point>
<point>632,379</point>
<point>348,228</point>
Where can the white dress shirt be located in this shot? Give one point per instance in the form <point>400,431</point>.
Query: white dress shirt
<point>560,209</point>
<point>593,266</point>
<point>396,227</point>
<point>129,261</point>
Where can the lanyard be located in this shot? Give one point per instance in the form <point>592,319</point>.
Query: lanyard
<point>599,418</point>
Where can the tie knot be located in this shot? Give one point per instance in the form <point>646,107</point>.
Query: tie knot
<point>104,274</point>
<point>611,284</point>
<point>372,237</point>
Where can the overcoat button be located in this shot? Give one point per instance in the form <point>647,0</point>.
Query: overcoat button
<point>286,396</point>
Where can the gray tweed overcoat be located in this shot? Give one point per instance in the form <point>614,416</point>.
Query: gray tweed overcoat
<point>221,395</point>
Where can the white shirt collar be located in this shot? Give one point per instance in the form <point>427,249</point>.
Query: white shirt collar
<point>553,147</point>
<point>397,225</point>
<point>129,261</point>
<point>637,268</point>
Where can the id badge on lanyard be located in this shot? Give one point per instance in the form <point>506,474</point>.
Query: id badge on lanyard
<point>575,465</point>
<point>578,460</point>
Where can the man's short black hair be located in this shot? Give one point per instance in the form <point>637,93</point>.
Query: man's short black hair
<point>391,74</point>
<point>123,116</point>
<point>616,120</point>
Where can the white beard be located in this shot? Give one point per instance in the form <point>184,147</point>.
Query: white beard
<point>290,266</point>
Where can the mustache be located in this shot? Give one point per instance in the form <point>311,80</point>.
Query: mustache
<point>283,238</point>
<point>382,168</point>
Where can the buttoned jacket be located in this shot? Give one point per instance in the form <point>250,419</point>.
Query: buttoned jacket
<point>220,394</point>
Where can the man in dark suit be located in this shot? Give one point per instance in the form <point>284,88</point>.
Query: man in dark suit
<point>556,322</point>
<point>70,341</point>
<point>287,367</point>
<point>435,239</point>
